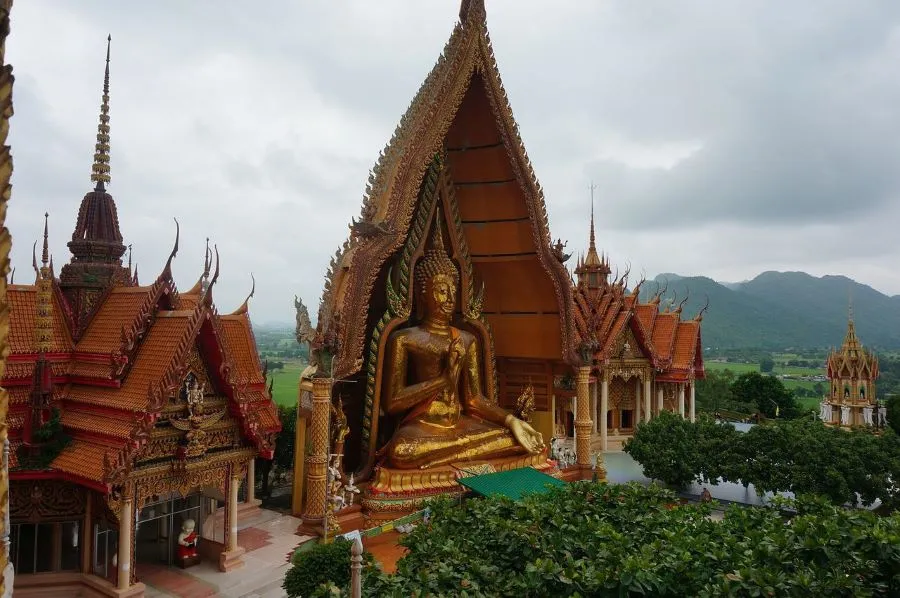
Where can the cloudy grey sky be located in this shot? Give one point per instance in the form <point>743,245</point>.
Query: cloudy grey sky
<point>725,138</point>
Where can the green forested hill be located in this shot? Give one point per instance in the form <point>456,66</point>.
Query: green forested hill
<point>780,310</point>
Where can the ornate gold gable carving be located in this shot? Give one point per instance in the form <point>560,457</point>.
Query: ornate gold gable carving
<point>396,181</point>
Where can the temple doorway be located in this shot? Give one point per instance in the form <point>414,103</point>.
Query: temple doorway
<point>161,521</point>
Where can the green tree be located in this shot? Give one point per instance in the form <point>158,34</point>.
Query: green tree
<point>766,393</point>
<point>766,365</point>
<point>667,449</point>
<point>893,412</point>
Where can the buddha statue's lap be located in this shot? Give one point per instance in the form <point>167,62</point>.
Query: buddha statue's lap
<point>433,375</point>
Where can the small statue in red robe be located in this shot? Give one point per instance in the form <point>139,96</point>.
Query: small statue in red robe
<point>187,540</point>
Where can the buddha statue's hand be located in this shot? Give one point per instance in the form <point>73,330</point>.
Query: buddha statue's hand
<point>525,435</point>
<point>455,355</point>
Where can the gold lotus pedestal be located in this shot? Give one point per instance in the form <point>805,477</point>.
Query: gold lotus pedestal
<point>396,492</point>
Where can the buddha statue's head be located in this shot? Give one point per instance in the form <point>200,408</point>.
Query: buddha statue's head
<point>437,278</point>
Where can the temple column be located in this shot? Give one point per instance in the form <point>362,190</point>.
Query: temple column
<point>583,422</point>
<point>659,400</point>
<point>251,482</point>
<point>637,402</point>
<point>231,557</point>
<point>593,386</point>
<point>604,408</point>
<point>124,558</point>
<point>646,397</point>
<point>317,461</point>
<point>693,403</point>
<point>681,400</point>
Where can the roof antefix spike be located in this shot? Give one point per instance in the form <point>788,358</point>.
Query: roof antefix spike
<point>12,276</point>
<point>37,271</point>
<point>100,169</point>
<point>699,316</point>
<point>167,271</point>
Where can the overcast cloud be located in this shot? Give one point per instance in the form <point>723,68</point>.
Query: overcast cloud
<point>725,138</point>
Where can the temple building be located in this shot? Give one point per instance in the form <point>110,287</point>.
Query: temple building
<point>450,330</point>
<point>645,357</point>
<point>852,372</point>
<point>136,413</point>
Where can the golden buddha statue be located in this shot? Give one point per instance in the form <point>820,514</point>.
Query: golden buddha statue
<point>434,383</point>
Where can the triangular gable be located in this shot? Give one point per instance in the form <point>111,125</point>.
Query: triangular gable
<point>466,66</point>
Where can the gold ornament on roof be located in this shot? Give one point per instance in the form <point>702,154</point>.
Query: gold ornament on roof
<point>100,168</point>
<point>196,422</point>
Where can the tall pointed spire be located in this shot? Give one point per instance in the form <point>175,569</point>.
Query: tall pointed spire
<point>96,245</point>
<point>593,243</point>
<point>43,325</point>
<point>100,169</point>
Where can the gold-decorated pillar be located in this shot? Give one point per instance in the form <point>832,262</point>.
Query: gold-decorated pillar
<point>6,167</point>
<point>593,388</point>
<point>583,418</point>
<point>126,517</point>
<point>317,461</point>
<point>604,410</point>
<point>647,393</point>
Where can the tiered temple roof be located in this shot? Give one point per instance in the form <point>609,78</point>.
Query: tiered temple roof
<point>606,313</point>
<point>852,361</point>
<point>114,352</point>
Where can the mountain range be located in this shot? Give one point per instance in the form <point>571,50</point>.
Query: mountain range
<point>783,310</point>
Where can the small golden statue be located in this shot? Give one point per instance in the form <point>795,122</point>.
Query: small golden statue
<point>197,421</point>
<point>525,404</point>
<point>434,383</point>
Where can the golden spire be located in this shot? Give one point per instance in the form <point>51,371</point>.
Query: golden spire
<point>43,325</point>
<point>592,259</point>
<point>100,169</point>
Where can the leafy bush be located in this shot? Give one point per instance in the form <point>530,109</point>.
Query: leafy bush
<point>801,456</point>
<point>599,540</point>
<point>322,564</point>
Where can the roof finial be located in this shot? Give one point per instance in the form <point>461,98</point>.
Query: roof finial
<point>100,169</point>
<point>593,244</point>
<point>129,257</point>
<point>45,255</point>
<point>850,303</point>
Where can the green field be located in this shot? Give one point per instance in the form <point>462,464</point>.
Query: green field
<point>737,368</point>
<point>284,390</point>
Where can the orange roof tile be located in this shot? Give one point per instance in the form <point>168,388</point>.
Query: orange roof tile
<point>22,313</point>
<point>153,359</point>
<point>241,346</point>
<point>91,369</point>
<point>84,421</point>
<point>83,459</point>
<point>664,334</point>
<point>104,333</point>
<point>685,349</point>
<point>645,313</point>
<point>188,300</point>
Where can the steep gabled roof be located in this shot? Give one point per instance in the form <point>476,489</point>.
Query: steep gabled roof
<point>466,73</point>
